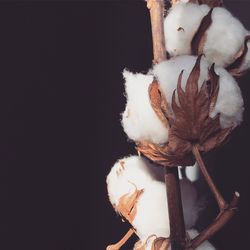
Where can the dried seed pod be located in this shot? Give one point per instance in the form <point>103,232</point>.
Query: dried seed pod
<point>197,29</point>
<point>195,120</point>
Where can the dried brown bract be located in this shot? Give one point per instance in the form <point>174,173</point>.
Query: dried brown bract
<point>199,40</point>
<point>158,244</point>
<point>235,68</point>
<point>188,122</point>
<point>127,205</point>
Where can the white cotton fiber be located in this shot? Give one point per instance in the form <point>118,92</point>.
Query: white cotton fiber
<point>180,26</point>
<point>139,120</point>
<point>152,211</point>
<point>167,73</point>
<point>229,102</point>
<point>225,38</point>
<point>128,172</point>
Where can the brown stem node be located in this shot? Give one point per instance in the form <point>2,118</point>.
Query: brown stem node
<point>227,211</point>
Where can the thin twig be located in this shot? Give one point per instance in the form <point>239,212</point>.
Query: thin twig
<point>217,195</point>
<point>227,211</point>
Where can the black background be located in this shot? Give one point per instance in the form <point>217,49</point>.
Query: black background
<point>61,95</point>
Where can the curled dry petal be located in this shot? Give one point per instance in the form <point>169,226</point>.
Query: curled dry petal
<point>127,205</point>
<point>199,39</point>
<point>235,68</point>
<point>191,124</point>
<point>158,103</point>
<point>158,244</point>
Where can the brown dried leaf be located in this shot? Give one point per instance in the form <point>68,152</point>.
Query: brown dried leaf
<point>234,68</point>
<point>211,127</point>
<point>161,244</point>
<point>213,87</point>
<point>192,121</point>
<point>127,205</point>
<point>193,109</point>
<point>158,103</point>
<point>199,38</point>
<point>176,152</point>
<point>216,140</point>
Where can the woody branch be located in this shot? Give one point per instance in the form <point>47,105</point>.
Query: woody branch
<point>227,211</point>
<point>175,210</point>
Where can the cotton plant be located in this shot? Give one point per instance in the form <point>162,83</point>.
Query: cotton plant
<point>198,104</point>
<point>153,105</point>
<point>186,105</point>
<point>192,28</point>
<point>136,190</point>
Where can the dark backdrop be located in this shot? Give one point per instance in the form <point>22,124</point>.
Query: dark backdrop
<point>61,95</point>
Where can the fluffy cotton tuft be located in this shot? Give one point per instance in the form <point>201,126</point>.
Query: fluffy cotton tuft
<point>152,211</point>
<point>139,119</point>
<point>229,102</point>
<point>224,38</point>
<point>128,172</point>
<point>180,26</point>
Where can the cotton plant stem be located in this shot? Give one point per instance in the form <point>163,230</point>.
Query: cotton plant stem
<point>217,195</point>
<point>176,219</point>
<point>175,210</point>
<point>119,244</point>
<point>156,8</point>
<point>227,211</point>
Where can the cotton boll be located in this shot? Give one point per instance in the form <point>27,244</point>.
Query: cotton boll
<point>139,119</point>
<point>224,38</point>
<point>152,210</point>
<point>205,245</point>
<point>183,21</point>
<point>229,102</point>
<point>167,73</point>
<point>180,26</point>
<point>151,207</point>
